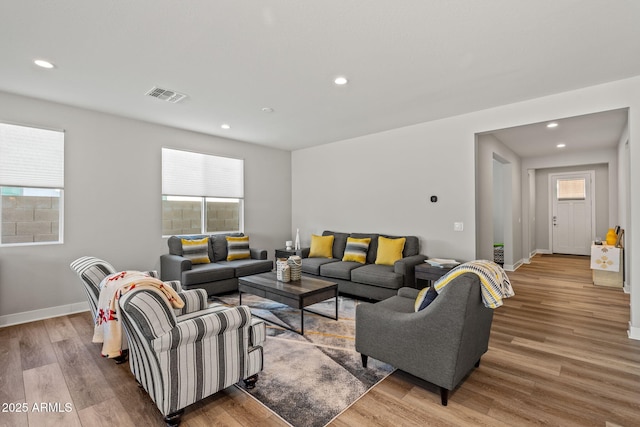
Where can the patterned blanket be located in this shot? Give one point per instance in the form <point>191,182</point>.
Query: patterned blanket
<point>494,281</point>
<point>108,329</point>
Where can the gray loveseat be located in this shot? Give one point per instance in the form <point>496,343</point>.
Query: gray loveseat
<point>368,280</point>
<point>218,276</point>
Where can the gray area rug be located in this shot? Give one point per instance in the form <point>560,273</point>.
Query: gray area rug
<point>309,380</point>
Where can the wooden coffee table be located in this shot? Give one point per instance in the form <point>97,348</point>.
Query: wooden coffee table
<point>296,294</point>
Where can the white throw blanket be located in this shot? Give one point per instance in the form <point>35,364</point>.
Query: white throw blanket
<point>108,328</point>
<point>495,284</point>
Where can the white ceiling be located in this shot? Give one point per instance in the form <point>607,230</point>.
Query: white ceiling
<point>582,133</point>
<point>407,61</point>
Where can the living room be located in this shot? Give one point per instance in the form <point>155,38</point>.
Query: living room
<point>378,181</point>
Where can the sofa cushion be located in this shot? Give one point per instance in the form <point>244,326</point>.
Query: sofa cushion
<point>339,242</point>
<point>321,246</point>
<point>203,273</point>
<point>175,244</point>
<point>247,267</point>
<point>218,243</point>
<point>389,250</point>
<point>378,275</point>
<point>339,270</point>
<point>238,248</point>
<point>373,245</point>
<point>196,250</point>
<point>356,250</point>
<point>411,245</point>
<point>312,265</point>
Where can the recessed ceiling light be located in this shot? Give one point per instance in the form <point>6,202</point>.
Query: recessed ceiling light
<point>552,125</point>
<point>561,145</point>
<point>267,110</point>
<point>225,126</point>
<point>341,81</point>
<point>44,64</point>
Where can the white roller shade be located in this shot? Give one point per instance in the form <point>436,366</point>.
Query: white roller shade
<point>193,174</point>
<point>31,157</point>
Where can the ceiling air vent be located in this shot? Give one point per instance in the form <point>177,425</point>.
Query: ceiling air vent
<point>166,95</point>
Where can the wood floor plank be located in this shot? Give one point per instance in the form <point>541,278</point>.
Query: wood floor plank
<point>87,385</point>
<point>48,397</point>
<point>106,414</point>
<point>35,346</point>
<point>59,328</point>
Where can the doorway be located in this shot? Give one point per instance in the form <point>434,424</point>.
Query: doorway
<point>572,212</point>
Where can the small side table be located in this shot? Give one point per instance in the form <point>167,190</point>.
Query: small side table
<point>286,253</point>
<point>430,273</point>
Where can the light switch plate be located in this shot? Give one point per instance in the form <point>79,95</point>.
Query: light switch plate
<point>458,226</point>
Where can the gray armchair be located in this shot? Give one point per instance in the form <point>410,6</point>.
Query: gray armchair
<point>440,344</point>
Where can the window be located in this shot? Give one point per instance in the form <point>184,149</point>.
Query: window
<point>571,189</point>
<point>201,193</point>
<point>31,185</point>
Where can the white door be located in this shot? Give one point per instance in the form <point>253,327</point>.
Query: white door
<point>572,213</point>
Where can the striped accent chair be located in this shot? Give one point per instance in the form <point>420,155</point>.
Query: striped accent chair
<point>92,271</point>
<point>180,360</point>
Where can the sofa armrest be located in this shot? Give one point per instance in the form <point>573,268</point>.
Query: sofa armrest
<point>258,253</point>
<point>172,266</point>
<point>305,252</point>
<point>211,322</point>
<point>194,300</point>
<point>406,267</point>
<point>410,293</point>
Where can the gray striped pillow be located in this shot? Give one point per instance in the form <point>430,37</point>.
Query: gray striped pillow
<point>196,250</point>
<point>238,248</point>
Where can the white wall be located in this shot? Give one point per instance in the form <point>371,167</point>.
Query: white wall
<point>382,182</point>
<point>489,149</point>
<point>113,174</point>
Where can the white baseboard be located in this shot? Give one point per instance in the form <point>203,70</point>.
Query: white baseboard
<point>45,313</point>
<point>634,332</point>
<point>514,267</point>
<point>544,251</point>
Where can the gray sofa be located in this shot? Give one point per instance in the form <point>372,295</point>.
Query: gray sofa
<point>368,280</point>
<point>217,277</point>
<point>440,344</point>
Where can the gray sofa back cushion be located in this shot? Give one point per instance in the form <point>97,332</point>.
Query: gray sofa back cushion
<point>339,242</point>
<point>372,253</point>
<point>411,245</point>
<point>175,244</point>
<point>218,244</point>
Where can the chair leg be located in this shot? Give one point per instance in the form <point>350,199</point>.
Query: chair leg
<point>250,382</point>
<point>444,396</point>
<point>365,358</point>
<point>173,420</point>
<point>123,357</point>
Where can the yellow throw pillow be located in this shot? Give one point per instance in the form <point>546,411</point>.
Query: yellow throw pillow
<point>356,250</point>
<point>196,250</point>
<point>389,250</point>
<point>238,248</point>
<point>321,246</point>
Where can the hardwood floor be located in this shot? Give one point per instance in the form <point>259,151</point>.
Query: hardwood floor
<point>559,355</point>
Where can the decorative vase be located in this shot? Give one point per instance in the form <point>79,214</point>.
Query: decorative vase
<point>297,244</point>
<point>612,237</point>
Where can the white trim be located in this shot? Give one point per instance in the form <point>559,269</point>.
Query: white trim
<point>45,313</point>
<point>634,333</point>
